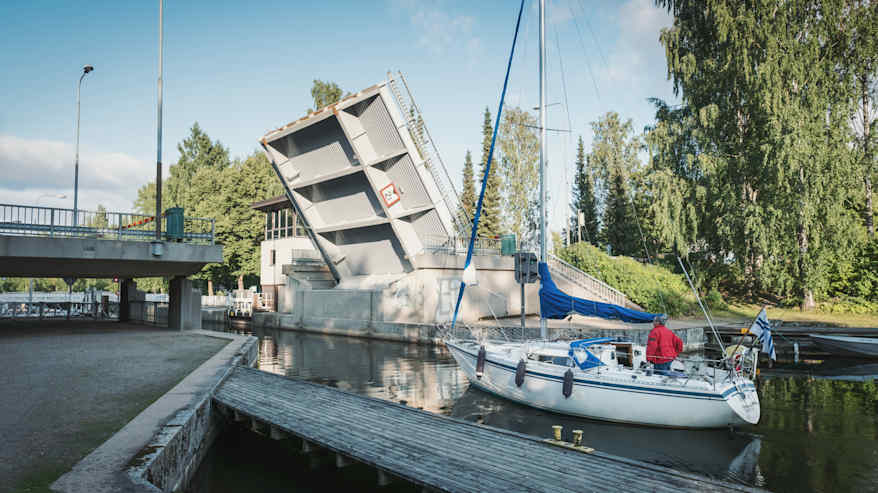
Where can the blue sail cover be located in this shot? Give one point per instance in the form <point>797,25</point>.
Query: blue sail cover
<point>554,303</point>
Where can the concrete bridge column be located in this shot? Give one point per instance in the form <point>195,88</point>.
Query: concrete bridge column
<point>125,299</point>
<point>184,305</point>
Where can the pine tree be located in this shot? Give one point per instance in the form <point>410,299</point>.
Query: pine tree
<point>468,193</point>
<point>619,222</point>
<point>613,161</point>
<point>584,201</point>
<point>491,220</point>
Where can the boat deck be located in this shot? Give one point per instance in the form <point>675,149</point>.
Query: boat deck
<point>437,452</point>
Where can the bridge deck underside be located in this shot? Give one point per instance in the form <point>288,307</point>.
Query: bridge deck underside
<point>23,256</point>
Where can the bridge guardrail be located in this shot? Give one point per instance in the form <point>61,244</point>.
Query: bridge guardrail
<point>458,245</point>
<point>597,286</point>
<point>26,220</point>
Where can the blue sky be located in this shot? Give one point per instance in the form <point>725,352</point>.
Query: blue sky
<point>242,68</point>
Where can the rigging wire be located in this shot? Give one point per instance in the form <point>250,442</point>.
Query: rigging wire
<point>646,250</point>
<point>469,253</point>
<point>582,43</point>
<point>569,125</point>
<point>593,36</point>
<point>698,298</point>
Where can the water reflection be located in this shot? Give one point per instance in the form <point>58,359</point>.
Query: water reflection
<point>425,377</point>
<point>716,453</point>
<point>818,432</point>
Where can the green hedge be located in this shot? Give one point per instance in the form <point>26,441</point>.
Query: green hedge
<point>655,288</point>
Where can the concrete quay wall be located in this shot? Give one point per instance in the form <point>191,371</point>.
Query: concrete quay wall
<point>693,337</point>
<point>172,457</point>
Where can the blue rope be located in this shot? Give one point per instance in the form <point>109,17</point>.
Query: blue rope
<point>472,238</point>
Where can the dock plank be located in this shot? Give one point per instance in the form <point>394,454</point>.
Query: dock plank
<point>436,451</point>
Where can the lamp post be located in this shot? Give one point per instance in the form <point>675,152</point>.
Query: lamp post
<point>85,70</point>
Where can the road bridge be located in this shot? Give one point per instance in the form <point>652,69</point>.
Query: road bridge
<point>47,242</point>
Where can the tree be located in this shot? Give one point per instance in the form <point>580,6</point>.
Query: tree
<point>324,94</point>
<point>584,200</point>
<point>770,100</point>
<point>614,160</point>
<point>491,219</point>
<point>145,201</point>
<point>620,229</point>
<point>863,45</point>
<point>520,150</point>
<point>226,195</point>
<point>468,190</point>
<point>196,152</point>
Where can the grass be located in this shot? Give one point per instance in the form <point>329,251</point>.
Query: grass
<point>658,289</point>
<point>747,312</point>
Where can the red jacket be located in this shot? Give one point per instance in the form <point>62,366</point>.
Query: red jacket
<point>663,345</point>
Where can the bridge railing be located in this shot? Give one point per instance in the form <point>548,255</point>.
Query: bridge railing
<point>458,245</point>
<point>27,220</point>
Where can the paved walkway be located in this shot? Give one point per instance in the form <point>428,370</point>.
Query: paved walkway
<point>67,386</point>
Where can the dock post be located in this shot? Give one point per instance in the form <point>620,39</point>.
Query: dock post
<point>276,433</point>
<point>307,448</point>
<point>341,461</point>
<point>383,478</point>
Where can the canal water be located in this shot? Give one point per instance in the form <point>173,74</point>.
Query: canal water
<point>818,432</point>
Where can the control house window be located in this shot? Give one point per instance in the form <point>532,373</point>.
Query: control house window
<point>282,223</point>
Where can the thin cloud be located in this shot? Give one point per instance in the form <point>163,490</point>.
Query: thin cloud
<point>440,31</point>
<point>35,167</point>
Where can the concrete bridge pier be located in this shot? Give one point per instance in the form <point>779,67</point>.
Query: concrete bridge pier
<point>125,299</point>
<point>184,305</point>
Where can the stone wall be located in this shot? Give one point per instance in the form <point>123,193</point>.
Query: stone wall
<point>175,453</point>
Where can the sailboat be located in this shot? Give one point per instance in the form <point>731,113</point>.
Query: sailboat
<point>600,378</point>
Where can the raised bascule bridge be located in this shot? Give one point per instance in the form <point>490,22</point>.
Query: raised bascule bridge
<point>369,189</point>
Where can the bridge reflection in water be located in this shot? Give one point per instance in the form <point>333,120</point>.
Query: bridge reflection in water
<point>817,434</point>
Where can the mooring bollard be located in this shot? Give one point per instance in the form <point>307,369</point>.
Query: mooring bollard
<point>556,432</point>
<point>577,437</point>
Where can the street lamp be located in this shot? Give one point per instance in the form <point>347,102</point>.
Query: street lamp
<point>85,70</point>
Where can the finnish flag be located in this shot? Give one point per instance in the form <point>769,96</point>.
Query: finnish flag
<point>761,328</point>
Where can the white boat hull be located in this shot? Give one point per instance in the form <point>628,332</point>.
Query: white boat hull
<point>641,400</point>
<point>850,346</point>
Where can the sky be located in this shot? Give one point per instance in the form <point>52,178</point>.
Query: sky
<point>242,68</point>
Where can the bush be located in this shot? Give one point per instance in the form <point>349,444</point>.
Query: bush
<point>848,305</point>
<point>655,288</point>
<point>714,300</point>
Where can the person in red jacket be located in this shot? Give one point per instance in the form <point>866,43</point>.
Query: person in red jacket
<point>663,346</point>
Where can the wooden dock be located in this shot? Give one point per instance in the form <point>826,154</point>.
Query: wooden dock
<point>433,451</point>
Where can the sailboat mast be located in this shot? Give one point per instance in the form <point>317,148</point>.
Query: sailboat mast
<point>543,253</point>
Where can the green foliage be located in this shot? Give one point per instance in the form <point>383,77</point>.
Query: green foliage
<point>324,94</point>
<point>468,190</point>
<point>620,228</point>
<point>856,276</point>
<point>654,288</point>
<point>520,150</point>
<point>491,220</point>
<point>584,200</point>
<point>614,159</point>
<point>207,184</point>
<point>196,152</point>
<point>756,167</point>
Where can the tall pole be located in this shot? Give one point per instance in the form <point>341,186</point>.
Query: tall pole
<point>85,70</point>
<point>543,257</point>
<point>158,151</point>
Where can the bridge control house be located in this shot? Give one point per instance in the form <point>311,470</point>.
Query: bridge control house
<point>284,240</point>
